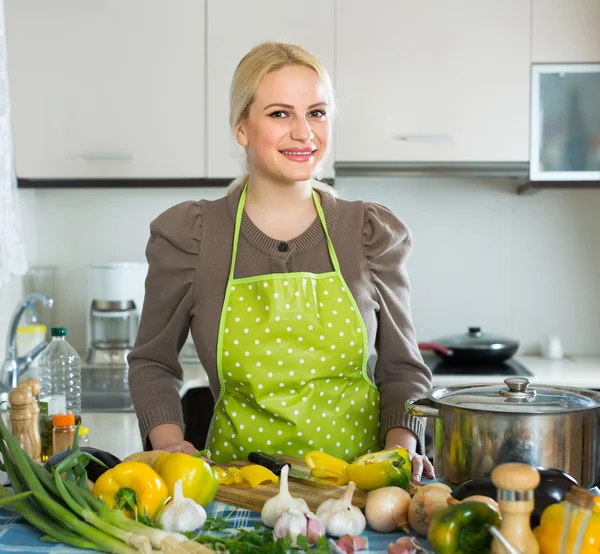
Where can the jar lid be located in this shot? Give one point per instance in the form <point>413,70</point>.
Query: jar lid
<point>517,397</point>
<point>63,419</point>
<point>84,431</point>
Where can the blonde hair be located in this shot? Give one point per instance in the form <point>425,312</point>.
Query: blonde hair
<point>261,60</point>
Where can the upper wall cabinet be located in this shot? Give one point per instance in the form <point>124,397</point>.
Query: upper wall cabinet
<point>433,81</point>
<point>235,27</point>
<point>566,31</point>
<point>107,89</point>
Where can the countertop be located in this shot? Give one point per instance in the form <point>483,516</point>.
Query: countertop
<point>572,371</point>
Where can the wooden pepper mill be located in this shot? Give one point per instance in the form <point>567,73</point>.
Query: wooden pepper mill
<point>20,416</point>
<point>516,484</point>
<point>34,431</point>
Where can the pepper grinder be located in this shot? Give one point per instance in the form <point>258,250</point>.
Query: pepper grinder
<point>20,416</point>
<point>34,430</point>
<point>516,484</point>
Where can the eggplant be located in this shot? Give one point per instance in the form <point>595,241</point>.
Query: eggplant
<point>93,469</point>
<point>553,487</point>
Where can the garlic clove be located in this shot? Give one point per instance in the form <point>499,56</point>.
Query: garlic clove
<point>291,523</point>
<point>314,528</point>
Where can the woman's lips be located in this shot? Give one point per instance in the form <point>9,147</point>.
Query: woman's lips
<point>301,156</point>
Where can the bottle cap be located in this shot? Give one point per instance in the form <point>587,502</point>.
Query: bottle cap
<point>84,431</point>
<point>59,331</point>
<point>62,420</point>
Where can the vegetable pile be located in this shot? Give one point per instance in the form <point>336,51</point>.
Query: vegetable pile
<point>65,510</point>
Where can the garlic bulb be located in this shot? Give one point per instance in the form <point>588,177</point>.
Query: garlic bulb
<point>275,506</point>
<point>340,516</point>
<point>182,514</point>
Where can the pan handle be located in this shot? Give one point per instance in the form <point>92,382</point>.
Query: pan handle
<point>421,407</point>
<point>435,348</point>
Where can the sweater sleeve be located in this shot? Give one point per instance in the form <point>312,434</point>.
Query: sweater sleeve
<point>400,372</point>
<point>155,374</point>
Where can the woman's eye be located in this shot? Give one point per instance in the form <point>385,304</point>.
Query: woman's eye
<point>318,113</point>
<point>279,114</point>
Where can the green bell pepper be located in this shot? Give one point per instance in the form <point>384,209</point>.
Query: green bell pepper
<point>463,529</point>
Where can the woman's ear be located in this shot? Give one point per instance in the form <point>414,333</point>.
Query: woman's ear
<point>240,135</point>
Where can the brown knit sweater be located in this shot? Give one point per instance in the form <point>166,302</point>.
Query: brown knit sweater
<point>189,254</point>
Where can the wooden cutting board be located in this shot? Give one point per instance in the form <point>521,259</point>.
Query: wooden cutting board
<point>244,496</point>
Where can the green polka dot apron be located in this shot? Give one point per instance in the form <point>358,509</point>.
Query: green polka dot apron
<point>292,365</point>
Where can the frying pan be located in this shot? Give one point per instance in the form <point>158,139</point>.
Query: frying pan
<point>473,346</point>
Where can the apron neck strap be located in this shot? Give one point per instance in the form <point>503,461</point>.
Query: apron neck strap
<point>238,225</point>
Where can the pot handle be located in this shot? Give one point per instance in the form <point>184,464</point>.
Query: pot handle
<point>421,407</point>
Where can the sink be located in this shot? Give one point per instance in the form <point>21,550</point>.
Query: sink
<point>103,389</point>
<point>106,401</point>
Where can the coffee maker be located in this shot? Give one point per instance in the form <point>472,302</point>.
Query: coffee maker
<point>115,295</point>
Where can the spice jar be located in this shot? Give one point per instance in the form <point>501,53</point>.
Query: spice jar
<point>84,439</point>
<point>63,432</point>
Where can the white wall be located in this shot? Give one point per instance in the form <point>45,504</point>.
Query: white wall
<point>519,266</point>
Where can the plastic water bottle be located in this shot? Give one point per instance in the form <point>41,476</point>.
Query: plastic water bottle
<point>60,385</point>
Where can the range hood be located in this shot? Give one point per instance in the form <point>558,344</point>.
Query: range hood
<point>517,171</point>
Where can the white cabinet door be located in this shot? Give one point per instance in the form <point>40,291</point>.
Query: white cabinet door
<point>107,89</point>
<point>566,31</point>
<point>433,81</point>
<point>233,28</point>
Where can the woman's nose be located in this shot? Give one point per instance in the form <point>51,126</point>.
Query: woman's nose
<point>301,130</point>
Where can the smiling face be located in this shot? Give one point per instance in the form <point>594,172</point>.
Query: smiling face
<point>287,131</point>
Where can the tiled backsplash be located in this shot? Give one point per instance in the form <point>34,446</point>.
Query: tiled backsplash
<point>522,266</point>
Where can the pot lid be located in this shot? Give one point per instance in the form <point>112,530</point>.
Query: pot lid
<point>517,397</point>
<point>476,338</point>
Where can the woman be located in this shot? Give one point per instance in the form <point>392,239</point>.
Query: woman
<point>286,289</point>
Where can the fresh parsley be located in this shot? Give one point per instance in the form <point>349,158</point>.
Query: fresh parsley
<point>251,541</point>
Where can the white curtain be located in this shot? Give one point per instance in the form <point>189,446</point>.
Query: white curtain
<point>12,249</point>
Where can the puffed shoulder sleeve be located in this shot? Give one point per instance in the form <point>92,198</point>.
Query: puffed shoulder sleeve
<point>155,374</point>
<point>400,372</point>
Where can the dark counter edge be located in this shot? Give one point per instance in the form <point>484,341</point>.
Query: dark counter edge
<point>128,183</point>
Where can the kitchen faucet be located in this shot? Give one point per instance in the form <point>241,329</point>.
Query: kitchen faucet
<point>13,365</point>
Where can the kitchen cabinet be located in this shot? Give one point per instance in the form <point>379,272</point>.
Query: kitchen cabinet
<point>433,81</point>
<point>107,89</point>
<point>566,31</point>
<point>233,28</point>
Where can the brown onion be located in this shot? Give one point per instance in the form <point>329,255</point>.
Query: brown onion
<point>428,501</point>
<point>387,509</point>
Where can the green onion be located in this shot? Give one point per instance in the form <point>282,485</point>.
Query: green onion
<point>63,501</point>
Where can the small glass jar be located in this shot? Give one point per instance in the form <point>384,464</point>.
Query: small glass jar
<point>84,439</point>
<point>63,432</point>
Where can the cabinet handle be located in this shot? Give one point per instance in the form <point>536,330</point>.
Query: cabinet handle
<point>108,156</point>
<point>426,138</point>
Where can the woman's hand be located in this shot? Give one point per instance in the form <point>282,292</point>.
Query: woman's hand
<point>169,437</point>
<point>403,438</point>
<point>184,446</point>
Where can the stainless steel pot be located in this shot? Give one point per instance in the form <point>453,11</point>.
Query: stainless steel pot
<point>478,427</point>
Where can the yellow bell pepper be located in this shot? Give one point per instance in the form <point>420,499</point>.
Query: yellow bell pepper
<point>381,469</point>
<point>326,466</point>
<point>252,474</point>
<point>548,533</point>
<point>200,481</point>
<point>132,487</point>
